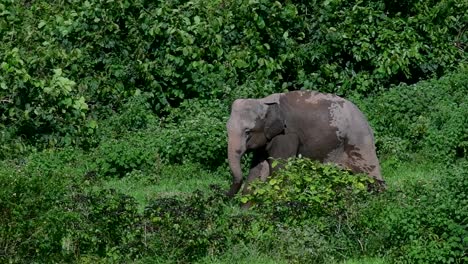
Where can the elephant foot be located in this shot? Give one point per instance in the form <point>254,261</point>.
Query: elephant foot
<point>247,205</point>
<point>234,189</point>
<point>378,186</point>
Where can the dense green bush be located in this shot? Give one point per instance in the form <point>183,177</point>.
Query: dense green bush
<point>134,115</point>
<point>67,64</point>
<point>308,189</point>
<point>315,208</point>
<point>53,210</point>
<point>430,116</point>
<point>48,212</point>
<point>187,229</point>
<point>424,222</point>
<point>33,220</point>
<point>142,84</point>
<point>301,223</point>
<point>109,226</point>
<point>119,157</point>
<point>194,132</point>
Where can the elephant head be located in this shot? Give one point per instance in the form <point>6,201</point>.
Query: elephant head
<point>253,122</point>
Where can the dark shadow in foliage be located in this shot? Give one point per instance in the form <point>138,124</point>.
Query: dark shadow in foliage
<point>186,229</point>
<point>110,226</point>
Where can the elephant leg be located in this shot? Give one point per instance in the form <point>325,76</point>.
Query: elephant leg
<point>362,158</point>
<point>282,147</point>
<point>259,169</point>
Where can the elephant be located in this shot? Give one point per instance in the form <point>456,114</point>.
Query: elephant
<point>319,126</point>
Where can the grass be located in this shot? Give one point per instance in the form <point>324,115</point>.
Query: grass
<point>168,180</point>
<point>182,179</point>
<point>397,172</point>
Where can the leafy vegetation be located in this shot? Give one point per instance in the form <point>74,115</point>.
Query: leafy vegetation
<point>113,142</point>
<point>430,115</point>
<point>65,65</point>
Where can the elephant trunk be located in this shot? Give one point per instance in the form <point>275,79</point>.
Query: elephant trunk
<point>235,151</point>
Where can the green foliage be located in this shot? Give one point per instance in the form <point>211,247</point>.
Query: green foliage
<point>33,220</point>
<point>12,146</point>
<point>371,44</point>
<point>133,140</point>
<point>196,132</point>
<point>144,86</point>
<point>426,220</point>
<point>54,210</point>
<point>135,114</point>
<point>187,229</point>
<point>119,157</point>
<point>430,116</point>
<point>47,109</point>
<point>67,64</point>
<point>109,226</point>
<point>49,214</point>
<point>309,188</point>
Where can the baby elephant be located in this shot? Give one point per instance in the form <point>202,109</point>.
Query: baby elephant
<point>319,126</point>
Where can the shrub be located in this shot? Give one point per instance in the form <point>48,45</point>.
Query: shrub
<point>47,110</point>
<point>49,214</point>
<point>429,116</point>
<point>425,221</point>
<point>109,226</point>
<point>119,157</point>
<point>65,65</point>
<point>33,218</point>
<point>135,114</point>
<point>313,210</point>
<point>52,211</point>
<point>308,189</point>
<point>183,230</point>
<point>195,132</point>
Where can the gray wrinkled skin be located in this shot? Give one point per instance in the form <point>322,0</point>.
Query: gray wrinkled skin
<point>320,126</point>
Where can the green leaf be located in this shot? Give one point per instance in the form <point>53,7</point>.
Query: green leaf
<point>244,199</point>
<point>41,24</point>
<point>260,22</point>
<point>274,163</point>
<point>240,63</point>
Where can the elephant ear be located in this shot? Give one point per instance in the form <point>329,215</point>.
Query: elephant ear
<point>274,123</point>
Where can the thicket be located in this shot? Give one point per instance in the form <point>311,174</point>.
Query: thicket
<point>429,117</point>
<point>51,213</point>
<point>65,65</point>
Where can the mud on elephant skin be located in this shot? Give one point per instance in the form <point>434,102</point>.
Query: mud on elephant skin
<point>319,126</point>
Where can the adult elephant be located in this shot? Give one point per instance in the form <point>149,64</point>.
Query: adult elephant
<point>319,126</point>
